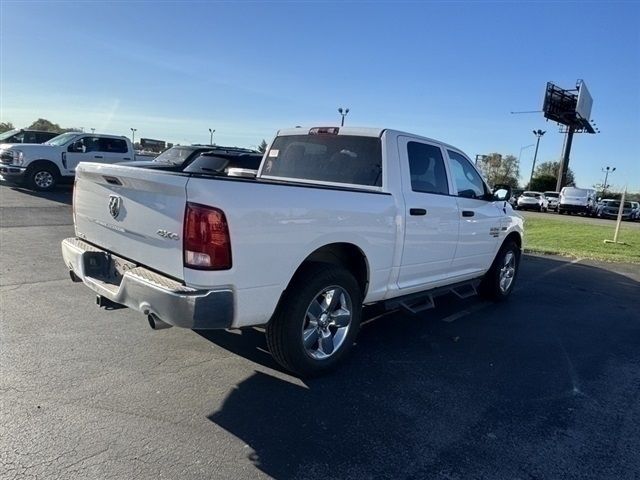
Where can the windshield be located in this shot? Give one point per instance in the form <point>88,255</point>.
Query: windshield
<point>174,156</point>
<point>531,194</point>
<point>325,157</point>
<point>551,194</point>
<point>62,139</point>
<point>613,203</point>
<point>8,134</point>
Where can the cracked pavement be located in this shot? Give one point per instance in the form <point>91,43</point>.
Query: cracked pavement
<point>546,385</point>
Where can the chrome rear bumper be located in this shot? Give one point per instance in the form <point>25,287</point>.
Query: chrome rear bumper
<point>141,289</point>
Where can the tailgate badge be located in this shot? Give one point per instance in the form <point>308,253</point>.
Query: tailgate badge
<point>115,201</point>
<point>168,234</point>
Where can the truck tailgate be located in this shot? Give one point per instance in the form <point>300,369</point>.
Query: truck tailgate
<point>136,213</point>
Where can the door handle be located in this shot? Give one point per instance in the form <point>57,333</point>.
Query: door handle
<point>468,213</point>
<point>417,211</point>
<point>97,156</point>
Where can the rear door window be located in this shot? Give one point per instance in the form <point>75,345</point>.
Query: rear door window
<point>346,159</point>
<point>426,166</point>
<point>112,145</point>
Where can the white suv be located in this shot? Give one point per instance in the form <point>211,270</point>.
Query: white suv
<point>533,201</point>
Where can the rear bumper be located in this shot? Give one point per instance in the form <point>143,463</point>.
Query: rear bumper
<point>149,292</point>
<point>565,207</point>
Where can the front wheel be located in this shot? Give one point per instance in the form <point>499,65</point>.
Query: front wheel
<point>316,321</point>
<point>498,282</point>
<point>42,178</point>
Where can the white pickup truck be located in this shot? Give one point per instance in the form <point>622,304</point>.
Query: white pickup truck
<point>42,166</point>
<point>336,218</point>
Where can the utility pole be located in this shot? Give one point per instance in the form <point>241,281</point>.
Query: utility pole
<point>564,165</point>
<point>538,133</point>
<point>343,112</point>
<point>211,132</point>
<point>606,177</point>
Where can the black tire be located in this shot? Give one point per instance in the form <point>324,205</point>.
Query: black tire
<point>490,286</point>
<point>42,177</point>
<point>284,330</point>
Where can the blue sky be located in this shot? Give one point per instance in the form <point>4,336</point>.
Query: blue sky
<point>447,70</point>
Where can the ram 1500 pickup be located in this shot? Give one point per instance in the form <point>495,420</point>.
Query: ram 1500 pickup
<point>335,219</point>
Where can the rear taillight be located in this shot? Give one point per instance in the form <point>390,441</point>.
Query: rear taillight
<point>73,201</point>
<point>206,243</point>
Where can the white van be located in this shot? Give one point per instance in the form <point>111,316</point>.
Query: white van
<point>577,200</point>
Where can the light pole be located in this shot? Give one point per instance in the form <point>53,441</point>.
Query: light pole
<point>538,133</point>
<point>343,112</point>
<point>93,130</point>
<point>133,136</point>
<point>606,177</point>
<point>211,132</point>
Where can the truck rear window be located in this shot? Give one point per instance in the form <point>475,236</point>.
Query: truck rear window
<point>328,158</point>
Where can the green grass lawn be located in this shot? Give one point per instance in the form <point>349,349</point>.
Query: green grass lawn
<point>581,240</point>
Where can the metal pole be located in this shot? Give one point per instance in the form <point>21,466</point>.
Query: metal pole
<point>615,235</point>
<point>564,165</point>
<point>535,156</point>
<point>604,186</point>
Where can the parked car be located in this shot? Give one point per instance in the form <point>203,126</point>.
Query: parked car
<point>609,208</point>
<point>26,135</point>
<point>577,200</point>
<point>533,201</point>
<point>635,212</point>
<point>42,167</point>
<point>553,198</point>
<point>177,158</point>
<point>331,222</point>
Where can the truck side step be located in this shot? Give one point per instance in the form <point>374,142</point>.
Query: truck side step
<point>419,302</point>
<point>465,291</point>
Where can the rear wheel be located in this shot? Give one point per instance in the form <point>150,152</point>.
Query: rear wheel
<point>317,320</point>
<point>498,282</point>
<point>42,177</point>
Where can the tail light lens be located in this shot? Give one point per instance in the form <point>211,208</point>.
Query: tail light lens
<point>206,238</point>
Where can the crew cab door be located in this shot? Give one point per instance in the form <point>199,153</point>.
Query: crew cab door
<point>481,219</point>
<point>431,214</point>
<point>97,149</point>
<point>82,149</point>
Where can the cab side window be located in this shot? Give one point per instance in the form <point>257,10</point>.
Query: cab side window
<point>468,182</point>
<point>426,167</point>
<point>113,145</point>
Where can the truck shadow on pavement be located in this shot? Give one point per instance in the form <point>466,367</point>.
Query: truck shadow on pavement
<point>544,385</point>
<point>61,194</point>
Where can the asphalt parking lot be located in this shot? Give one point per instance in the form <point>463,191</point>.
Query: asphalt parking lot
<point>546,385</point>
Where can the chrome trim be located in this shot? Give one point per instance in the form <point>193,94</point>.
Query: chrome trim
<point>152,293</point>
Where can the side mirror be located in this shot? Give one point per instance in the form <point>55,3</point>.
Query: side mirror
<point>501,193</point>
<point>76,147</point>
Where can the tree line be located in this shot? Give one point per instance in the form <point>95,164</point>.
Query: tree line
<point>41,124</point>
<point>505,169</point>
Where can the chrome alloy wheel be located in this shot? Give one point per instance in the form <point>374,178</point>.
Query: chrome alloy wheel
<point>507,271</point>
<point>43,179</point>
<point>327,322</point>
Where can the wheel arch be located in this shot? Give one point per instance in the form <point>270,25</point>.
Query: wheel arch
<point>515,237</point>
<point>344,254</point>
<point>44,162</point>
